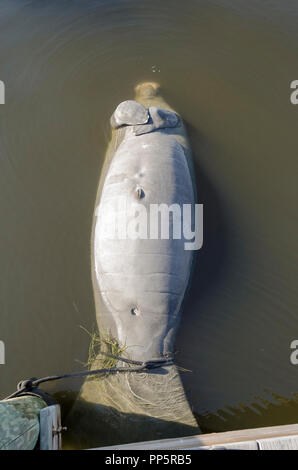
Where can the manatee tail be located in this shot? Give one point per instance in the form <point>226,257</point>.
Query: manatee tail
<point>131,407</point>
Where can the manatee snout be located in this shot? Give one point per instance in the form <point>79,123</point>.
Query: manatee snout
<point>150,94</point>
<point>147,90</point>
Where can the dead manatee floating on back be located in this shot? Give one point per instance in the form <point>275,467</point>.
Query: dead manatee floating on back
<point>139,284</point>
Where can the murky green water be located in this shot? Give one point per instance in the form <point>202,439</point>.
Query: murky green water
<point>226,66</point>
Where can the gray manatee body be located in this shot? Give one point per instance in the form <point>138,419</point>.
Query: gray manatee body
<point>139,283</point>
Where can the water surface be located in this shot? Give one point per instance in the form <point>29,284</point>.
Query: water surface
<point>226,67</point>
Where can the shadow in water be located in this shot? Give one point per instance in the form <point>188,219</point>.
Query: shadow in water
<point>97,426</point>
<point>213,256</point>
<point>260,413</point>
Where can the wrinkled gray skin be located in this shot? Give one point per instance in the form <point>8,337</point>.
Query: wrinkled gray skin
<point>139,285</point>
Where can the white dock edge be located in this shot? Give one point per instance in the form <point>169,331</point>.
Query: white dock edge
<point>268,438</point>
<point>50,428</point>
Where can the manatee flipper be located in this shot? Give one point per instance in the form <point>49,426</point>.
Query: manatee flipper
<point>129,113</point>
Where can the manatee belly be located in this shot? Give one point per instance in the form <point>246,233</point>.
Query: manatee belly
<point>143,281</point>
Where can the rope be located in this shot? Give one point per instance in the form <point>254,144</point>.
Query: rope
<point>31,385</point>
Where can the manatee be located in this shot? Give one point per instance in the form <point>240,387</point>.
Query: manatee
<point>139,283</point>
